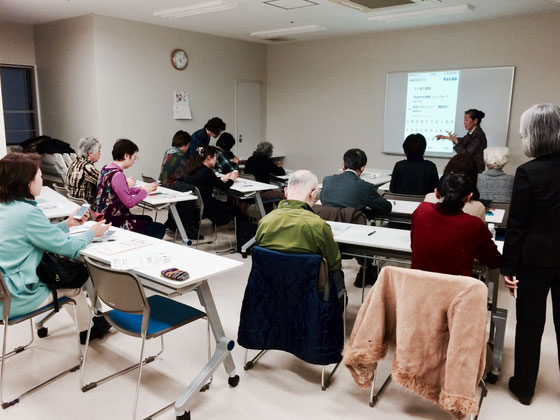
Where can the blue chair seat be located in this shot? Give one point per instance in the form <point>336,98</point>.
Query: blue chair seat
<point>165,315</point>
<point>16,319</point>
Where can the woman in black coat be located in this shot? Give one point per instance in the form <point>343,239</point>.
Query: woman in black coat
<point>530,262</point>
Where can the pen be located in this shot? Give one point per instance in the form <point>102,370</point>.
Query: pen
<point>371,233</point>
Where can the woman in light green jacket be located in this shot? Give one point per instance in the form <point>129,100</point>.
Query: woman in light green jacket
<point>26,233</point>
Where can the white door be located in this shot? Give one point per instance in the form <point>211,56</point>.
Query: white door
<point>249,116</point>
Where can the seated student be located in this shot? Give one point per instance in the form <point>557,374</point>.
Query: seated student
<point>494,184</point>
<point>446,240</point>
<point>83,176</point>
<point>349,190</point>
<point>226,161</point>
<point>26,233</point>
<point>200,174</point>
<point>465,164</point>
<point>414,175</point>
<point>199,138</point>
<point>295,228</point>
<point>173,174</point>
<point>115,197</point>
<point>261,165</point>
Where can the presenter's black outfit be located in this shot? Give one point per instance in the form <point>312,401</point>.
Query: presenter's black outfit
<point>474,144</point>
<point>531,252</point>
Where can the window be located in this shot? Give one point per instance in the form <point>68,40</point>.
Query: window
<point>19,104</point>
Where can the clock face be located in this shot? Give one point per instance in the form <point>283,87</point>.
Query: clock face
<point>179,59</point>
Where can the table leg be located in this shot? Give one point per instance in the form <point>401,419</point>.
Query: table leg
<point>179,223</point>
<point>259,202</point>
<point>222,353</point>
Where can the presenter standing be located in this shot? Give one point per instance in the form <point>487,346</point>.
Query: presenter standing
<point>474,142</point>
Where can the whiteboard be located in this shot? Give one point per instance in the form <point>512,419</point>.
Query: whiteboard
<point>486,89</point>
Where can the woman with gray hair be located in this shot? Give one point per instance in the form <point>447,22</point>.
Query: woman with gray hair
<point>530,263</point>
<point>494,184</point>
<point>83,176</point>
<point>261,165</point>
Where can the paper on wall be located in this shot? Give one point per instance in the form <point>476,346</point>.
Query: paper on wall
<point>181,106</point>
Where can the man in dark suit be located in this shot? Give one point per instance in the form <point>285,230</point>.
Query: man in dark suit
<point>348,190</point>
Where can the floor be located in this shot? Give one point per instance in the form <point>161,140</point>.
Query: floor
<point>279,387</point>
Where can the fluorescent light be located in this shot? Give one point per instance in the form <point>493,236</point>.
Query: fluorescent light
<point>435,11</point>
<point>197,9</point>
<point>288,31</point>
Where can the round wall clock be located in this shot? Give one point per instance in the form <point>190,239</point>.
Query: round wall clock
<point>179,59</point>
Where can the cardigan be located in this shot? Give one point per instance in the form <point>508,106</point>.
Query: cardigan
<point>437,325</point>
<point>495,185</point>
<point>445,242</point>
<point>26,233</point>
<point>81,179</point>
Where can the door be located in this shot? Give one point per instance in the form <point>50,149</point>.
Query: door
<point>249,116</point>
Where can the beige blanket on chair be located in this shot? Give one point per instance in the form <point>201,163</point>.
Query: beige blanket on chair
<point>437,324</point>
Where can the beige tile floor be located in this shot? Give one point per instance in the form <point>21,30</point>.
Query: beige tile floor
<point>279,387</point>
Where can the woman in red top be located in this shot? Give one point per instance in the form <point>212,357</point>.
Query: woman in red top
<point>446,240</point>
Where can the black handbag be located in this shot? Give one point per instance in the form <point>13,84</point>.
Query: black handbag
<point>61,273</point>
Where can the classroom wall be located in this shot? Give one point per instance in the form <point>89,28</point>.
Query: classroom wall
<point>129,82</point>
<point>327,96</point>
<point>17,48</point>
<point>67,79</point>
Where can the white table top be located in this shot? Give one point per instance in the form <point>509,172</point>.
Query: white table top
<point>248,186</point>
<point>55,205</point>
<point>403,207</point>
<point>384,187</point>
<point>199,264</point>
<point>386,238</point>
<point>165,195</point>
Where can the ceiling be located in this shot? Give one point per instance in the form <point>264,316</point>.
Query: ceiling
<point>261,15</point>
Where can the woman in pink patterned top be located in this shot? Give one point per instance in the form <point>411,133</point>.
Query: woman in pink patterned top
<point>115,195</point>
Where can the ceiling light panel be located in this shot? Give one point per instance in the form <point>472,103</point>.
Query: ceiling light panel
<point>197,9</point>
<point>290,4</point>
<point>434,11</point>
<point>272,33</point>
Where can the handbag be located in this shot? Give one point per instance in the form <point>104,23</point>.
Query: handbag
<point>61,273</point>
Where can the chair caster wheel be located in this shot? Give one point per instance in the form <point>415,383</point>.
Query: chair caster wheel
<point>233,381</point>
<point>186,416</point>
<point>491,378</point>
<point>42,332</point>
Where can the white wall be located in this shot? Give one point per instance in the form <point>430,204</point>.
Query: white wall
<point>325,97</point>
<point>16,48</point>
<point>112,78</point>
<point>67,79</point>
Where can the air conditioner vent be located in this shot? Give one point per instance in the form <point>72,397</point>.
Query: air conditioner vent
<point>367,6</point>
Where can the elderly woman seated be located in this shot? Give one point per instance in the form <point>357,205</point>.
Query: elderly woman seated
<point>83,176</point>
<point>494,184</point>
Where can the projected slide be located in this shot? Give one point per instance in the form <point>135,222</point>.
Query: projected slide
<point>431,105</point>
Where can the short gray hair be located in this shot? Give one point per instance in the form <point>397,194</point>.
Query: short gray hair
<point>496,157</point>
<point>264,148</point>
<point>540,130</point>
<point>88,144</point>
<point>303,179</point>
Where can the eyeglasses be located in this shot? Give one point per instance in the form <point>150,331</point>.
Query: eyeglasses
<point>136,158</point>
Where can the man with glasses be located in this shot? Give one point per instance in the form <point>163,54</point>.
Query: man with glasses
<point>213,128</point>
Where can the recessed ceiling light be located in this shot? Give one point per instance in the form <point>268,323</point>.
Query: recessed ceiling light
<point>434,11</point>
<point>288,31</point>
<point>196,9</point>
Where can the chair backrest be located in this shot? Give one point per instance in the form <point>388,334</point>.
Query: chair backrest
<point>120,290</point>
<point>61,190</point>
<point>404,197</point>
<point>5,298</point>
<point>77,200</point>
<point>147,178</point>
<point>340,214</point>
<point>250,177</point>
<point>199,204</point>
<point>505,207</point>
<point>282,308</point>
<point>67,159</point>
<point>60,166</point>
